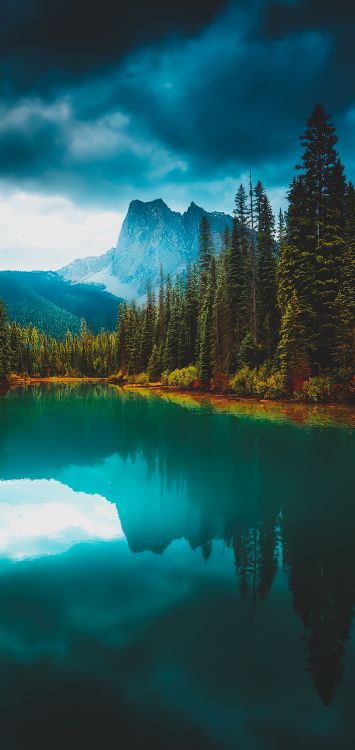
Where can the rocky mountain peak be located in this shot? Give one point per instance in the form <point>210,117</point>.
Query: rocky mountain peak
<point>151,235</point>
<point>143,207</point>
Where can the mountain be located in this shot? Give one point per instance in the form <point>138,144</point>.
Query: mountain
<point>54,305</point>
<point>151,234</point>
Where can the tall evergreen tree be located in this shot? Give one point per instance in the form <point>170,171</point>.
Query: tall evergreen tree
<point>16,348</point>
<point>343,339</point>
<point>122,336</point>
<point>134,323</point>
<point>5,359</point>
<point>204,360</point>
<point>325,218</point>
<point>236,291</point>
<point>168,296</point>
<point>205,259</point>
<point>147,338</point>
<point>267,309</point>
<point>296,272</point>
<point>161,327</point>
<point>281,229</point>
<point>294,351</point>
<point>205,248</point>
<point>254,306</point>
<point>259,193</point>
<point>226,239</point>
<point>172,348</point>
<point>348,265</point>
<point>242,214</point>
<point>221,334</point>
<point>191,311</point>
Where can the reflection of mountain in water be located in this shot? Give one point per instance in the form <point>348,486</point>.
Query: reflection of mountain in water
<point>264,488</point>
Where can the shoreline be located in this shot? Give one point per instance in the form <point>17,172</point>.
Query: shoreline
<point>223,400</point>
<point>321,415</point>
<point>335,414</point>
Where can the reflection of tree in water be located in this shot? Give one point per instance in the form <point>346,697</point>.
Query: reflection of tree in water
<point>206,548</point>
<point>321,574</point>
<point>259,486</point>
<point>256,559</point>
<point>320,561</point>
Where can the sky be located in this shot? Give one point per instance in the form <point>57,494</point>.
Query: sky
<point>104,102</point>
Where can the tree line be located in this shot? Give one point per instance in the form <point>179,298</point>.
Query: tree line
<point>276,301</point>
<point>25,350</point>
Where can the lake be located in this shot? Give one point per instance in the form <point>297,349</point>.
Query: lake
<point>174,572</point>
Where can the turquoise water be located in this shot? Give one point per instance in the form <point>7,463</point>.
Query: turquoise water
<point>172,576</point>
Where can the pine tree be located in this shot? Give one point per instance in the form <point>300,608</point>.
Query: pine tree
<point>226,239</point>
<point>204,360</point>
<point>296,267</point>
<point>172,349</point>
<point>343,339</point>
<point>191,311</point>
<point>168,296</point>
<point>254,310</point>
<point>205,248</point>
<point>205,260</point>
<point>134,323</point>
<point>259,193</point>
<point>221,334</point>
<point>16,349</point>
<point>293,350</point>
<point>161,327</point>
<point>348,265</point>
<point>155,364</point>
<point>122,336</point>
<point>246,318</point>
<point>5,354</point>
<point>324,218</point>
<point>236,283</point>
<point>147,333</point>
<point>182,333</point>
<point>281,229</point>
<point>246,354</point>
<point>267,310</point>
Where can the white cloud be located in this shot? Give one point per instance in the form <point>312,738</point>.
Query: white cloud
<point>19,116</point>
<point>46,232</point>
<point>101,139</point>
<point>43,517</point>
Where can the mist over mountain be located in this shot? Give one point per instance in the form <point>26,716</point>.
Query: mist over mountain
<point>151,235</point>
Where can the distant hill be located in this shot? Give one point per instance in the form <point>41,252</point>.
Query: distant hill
<point>54,305</point>
<point>151,235</point>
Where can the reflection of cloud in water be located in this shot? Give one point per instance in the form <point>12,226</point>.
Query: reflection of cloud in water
<point>44,517</point>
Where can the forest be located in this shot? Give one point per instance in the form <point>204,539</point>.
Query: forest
<point>271,315</point>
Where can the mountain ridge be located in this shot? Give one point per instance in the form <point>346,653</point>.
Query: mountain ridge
<point>152,235</point>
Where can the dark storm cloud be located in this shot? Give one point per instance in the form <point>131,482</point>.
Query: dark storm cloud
<point>242,94</point>
<point>104,100</point>
<point>335,20</point>
<point>28,143</point>
<point>43,42</point>
<point>293,16</point>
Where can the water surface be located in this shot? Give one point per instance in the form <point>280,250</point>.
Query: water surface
<point>174,574</point>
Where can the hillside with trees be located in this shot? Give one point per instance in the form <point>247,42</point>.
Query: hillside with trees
<point>54,305</point>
